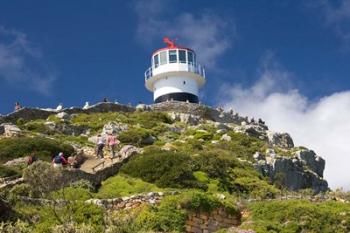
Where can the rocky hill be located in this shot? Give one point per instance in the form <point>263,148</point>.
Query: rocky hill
<point>181,167</point>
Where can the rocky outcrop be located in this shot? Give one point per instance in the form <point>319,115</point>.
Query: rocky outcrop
<point>301,171</point>
<point>283,140</point>
<point>253,130</point>
<point>114,128</point>
<point>66,129</point>
<point>186,118</point>
<point>199,110</point>
<point>11,130</point>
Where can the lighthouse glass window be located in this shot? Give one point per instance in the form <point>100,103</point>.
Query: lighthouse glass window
<point>182,56</point>
<point>172,56</point>
<point>190,58</point>
<point>156,61</point>
<point>163,59</point>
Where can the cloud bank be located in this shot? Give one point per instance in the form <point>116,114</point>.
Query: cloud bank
<point>207,33</point>
<point>322,125</point>
<point>21,63</point>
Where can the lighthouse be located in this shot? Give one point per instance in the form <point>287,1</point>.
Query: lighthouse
<point>174,74</point>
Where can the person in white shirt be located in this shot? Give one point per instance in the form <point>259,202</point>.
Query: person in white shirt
<point>100,145</point>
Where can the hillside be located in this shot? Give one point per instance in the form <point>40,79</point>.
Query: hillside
<point>180,167</point>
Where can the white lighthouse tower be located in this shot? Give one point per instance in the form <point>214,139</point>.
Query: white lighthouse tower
<point>174,74</point>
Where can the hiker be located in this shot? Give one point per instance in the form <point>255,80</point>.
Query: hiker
<point>100,145</point>
<point>31,158</point>
<point>112,142</point>
<point>59,160</point>
<point>105,100</point>
<point>17,106</point>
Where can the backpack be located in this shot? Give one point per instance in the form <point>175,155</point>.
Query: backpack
<point>57,159</point>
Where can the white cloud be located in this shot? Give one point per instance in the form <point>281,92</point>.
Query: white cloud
<point>322,125</point>
<point>21,63</point>
<point>207,33</point>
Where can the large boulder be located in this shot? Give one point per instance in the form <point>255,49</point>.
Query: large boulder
<point>283,140</point>
<point>128,151</point>
<point>11,130</point>
<point>63,116</point>
<point>294,173</point>
<point>312,161</point>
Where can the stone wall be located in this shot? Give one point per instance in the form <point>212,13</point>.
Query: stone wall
<point>210,222</point>
<point>131,202</point>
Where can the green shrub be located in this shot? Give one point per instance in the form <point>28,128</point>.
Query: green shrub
<point>6,171</point>
<point>149,120</point>
<point>203,135</point>
<point>36,126</point>
<point>165,218</point>
<point>134,136</point>
<point>164,168</point>
<point>11,148</point>
<point>119,186</point>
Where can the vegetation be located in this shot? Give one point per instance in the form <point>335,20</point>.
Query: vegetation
<point>11,148</point>
<point>299,216</point>
<point>207,173</point>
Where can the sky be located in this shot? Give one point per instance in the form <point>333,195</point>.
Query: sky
<point>285,61</point>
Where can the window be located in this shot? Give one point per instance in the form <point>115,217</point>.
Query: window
<point>156,61</point>
<point>172,56</point>
<point>190,57</point>
<point>182,56</point>
<point>163,59</point>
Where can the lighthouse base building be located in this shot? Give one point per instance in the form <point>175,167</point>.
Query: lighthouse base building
<point>175,74</point>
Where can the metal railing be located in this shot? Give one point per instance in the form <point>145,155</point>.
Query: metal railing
<point>194,68</point>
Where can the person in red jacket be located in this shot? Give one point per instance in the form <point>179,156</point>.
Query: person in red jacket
<point>59,160</point>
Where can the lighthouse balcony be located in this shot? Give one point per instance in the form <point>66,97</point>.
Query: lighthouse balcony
<point>195,70</point>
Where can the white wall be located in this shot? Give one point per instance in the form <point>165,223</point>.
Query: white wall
<point>174,85</point>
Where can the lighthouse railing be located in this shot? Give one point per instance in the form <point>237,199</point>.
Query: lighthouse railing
<point>194,68</point>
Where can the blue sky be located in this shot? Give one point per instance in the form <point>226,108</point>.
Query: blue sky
<point>286,61</point>
<point>91,49</point>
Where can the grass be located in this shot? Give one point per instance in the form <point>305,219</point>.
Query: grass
<point>121,186</point>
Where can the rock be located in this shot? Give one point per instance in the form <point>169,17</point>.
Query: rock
<point>11,130</point>
<point>282,140</point>
<point>142,107</point>
<point>295,173</point>
<point>226,137</point>
<point>16,162</point>
<point>128,151</point>
<point>93,139</point>
<point>168,147</point>
<point>114,128</point>
<point>63,116</point>
<point>148,141</point>
<point>221,131</point>
<point>253,130</point>
<point>221,126</point>
<point>310,159</point>
<point>65,128</point>
<point>185,118</point>
<point>258,156</point>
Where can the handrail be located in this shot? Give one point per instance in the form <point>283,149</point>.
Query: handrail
<point>194,68</point>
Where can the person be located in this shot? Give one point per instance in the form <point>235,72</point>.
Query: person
<point>17,106</point>
<point>31,158</point>
<point>105,100</point>
<point>59,160</point>
<point>100,145</point>
<point>112,143</point>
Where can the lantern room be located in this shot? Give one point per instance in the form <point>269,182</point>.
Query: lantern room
<point>174,74</point>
